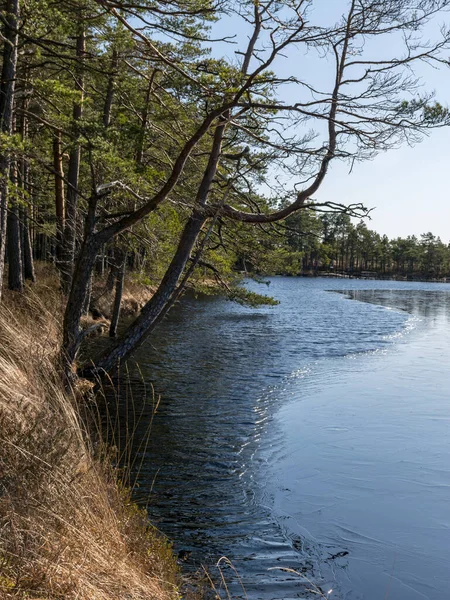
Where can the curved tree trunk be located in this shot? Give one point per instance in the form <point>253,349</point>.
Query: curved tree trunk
<point>167,290</point>
<point>24,183</point>
<point>78,291</point>
<point>157,306</point>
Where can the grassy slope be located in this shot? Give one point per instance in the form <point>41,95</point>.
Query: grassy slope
<point>67,529</point>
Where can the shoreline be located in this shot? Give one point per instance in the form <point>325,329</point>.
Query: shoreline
<point>72,528</point>
<point>350,276</point>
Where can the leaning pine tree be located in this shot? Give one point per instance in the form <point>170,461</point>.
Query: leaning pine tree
<point>249,128</point>
<point>142,141</point>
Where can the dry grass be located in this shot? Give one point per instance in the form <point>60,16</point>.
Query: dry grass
<point>135,295</point>
<point>67,529</point>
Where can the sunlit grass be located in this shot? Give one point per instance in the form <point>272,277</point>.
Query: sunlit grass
<point>69,529</point>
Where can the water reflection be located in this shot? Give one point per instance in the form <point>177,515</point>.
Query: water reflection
<point>426,303</point>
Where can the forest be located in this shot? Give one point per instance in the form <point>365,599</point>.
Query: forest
<point>333,244</point>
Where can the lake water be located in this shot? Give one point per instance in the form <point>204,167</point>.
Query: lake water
<point>312,436</point>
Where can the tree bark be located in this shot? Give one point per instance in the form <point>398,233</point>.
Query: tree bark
<point>15,268</point>
<point>110,89</point>
<point>120,276</point>
<point>59,197</point>
<point>7,87</point>
<point>28,262</point>
<point>70,228</point>
<point>144,120</point>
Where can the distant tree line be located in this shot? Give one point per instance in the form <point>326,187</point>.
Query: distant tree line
<point>310,243</point>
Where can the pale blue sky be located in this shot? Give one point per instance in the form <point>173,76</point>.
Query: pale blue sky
<point>407,187</point>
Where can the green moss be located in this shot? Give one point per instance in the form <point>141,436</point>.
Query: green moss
<point>6,584</point>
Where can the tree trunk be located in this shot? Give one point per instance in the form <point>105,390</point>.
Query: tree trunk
<point>109,285</point>
<point>100,262</point>
<point>157,306</point>
<point>59,197</point>
<point>120,276</point>
<point>78,291</point>
<point>24,174</point>
<point>76,301</point>
<point>87,299</point>
<point>70,229</point>
<point>15,268</point>
<point>7,86</point>
<point>110,89</point>
<point>28,263</point>
<point>144,120</point>
<point>144,324</point>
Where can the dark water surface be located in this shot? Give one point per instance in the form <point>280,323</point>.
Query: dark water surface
<point>313,435</point>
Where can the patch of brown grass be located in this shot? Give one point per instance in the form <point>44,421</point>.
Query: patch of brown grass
<point>67,529</point>
<point>135,295</point>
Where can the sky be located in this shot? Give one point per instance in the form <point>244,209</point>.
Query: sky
<point>407,188</point>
